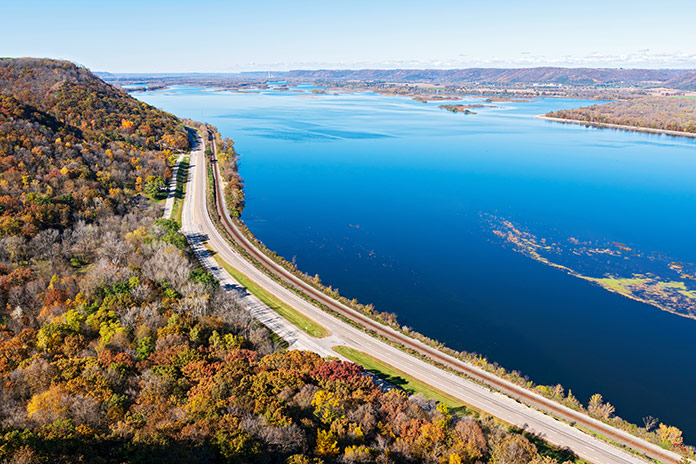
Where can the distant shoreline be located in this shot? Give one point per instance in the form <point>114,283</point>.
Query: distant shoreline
<point>648,130</point>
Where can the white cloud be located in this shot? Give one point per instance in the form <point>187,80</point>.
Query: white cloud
<point>639,59</point>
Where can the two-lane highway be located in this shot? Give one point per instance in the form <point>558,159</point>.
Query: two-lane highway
<point>197,223</point>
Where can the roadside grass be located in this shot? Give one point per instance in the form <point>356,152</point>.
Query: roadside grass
<point>279,341</point>
<point>180,191</point>
<point>157,202</point>
<point>546,449</point>
<point>404,381</point>
<point>401,379</point>
<point>620,446</point>
<point>301,321</point>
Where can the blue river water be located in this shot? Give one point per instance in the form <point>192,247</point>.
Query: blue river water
<point>389,200</point>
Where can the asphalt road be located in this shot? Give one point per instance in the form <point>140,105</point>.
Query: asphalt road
<point>199,228</point>
<point>169,203</point>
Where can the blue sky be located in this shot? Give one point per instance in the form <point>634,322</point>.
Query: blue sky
<point>230,36</point>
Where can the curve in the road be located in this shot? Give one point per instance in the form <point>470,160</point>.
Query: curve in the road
<point>478,374</point>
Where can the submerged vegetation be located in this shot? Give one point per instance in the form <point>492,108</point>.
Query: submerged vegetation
<point>553,392</point>
<point>650,278</point>
<point>116,346</point>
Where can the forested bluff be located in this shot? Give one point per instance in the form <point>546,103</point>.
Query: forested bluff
<point>674,114</point>
<point>116,346</point>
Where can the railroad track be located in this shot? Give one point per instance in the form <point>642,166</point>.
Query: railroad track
<point>490,380</point>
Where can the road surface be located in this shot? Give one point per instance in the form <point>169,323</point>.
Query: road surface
<point>169,204</point>
<point>199,228</point>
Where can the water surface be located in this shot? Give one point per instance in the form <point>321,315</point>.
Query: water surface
<point>390,200</point>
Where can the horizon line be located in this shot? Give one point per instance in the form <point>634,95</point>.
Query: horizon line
<point>611,68</point>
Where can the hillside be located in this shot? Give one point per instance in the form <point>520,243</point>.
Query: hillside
<point>591,83</point>
<point>685,81</point>
<point>116,347</point>
<point>506,77</point>
<point>73,147</point>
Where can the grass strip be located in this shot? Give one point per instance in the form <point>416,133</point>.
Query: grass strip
<point>180,190</point>
<point>279,341</point>
<point>298,319</point>
<point>412,385</point>
<point>404,381</point>
<point>376,367</point>
<point>545,448</point>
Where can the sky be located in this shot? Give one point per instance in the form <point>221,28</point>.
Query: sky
<point>231,36</point>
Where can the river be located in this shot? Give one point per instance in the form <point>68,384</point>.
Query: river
<point>452,221</point>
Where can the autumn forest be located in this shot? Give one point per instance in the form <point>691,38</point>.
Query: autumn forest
<point>116,346</point>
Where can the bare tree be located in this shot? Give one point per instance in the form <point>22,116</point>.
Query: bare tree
<point>15,246</point>
<point>261,340</point>
<point>103,272</point>
<point>81,241</point>
<point>33,378</point>
<point>167,264</point>
<point>287,439</point>
<point>46,245</point>
<point>195,301</point>
<point>150,316</point>
<point>650,422</point>
<point>227,307</point>
<point>85,410</point>
<point>114,249</point>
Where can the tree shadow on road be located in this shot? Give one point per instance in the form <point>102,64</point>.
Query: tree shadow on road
<point>403,384</point>
<point>547,449</point>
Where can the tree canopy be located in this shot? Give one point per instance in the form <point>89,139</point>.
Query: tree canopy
<point>116,346</point>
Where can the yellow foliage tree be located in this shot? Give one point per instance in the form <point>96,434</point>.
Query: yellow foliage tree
<point>327,406</point>
<point>127,125</point>
<point>670,435</point>
<point>47,406</point>
<point>359,453</point>
<point>326,443</point>
<point>446,417</point>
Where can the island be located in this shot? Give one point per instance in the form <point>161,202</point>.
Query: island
<point>117,345</point>
<point>671,115</point>
<point>463,108</point>
<point>506,100</point>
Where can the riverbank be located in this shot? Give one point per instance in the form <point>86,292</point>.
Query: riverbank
<point>460,330</point>
<point>325,307</point>
<point>648,130</point>
<point>418,359</point>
